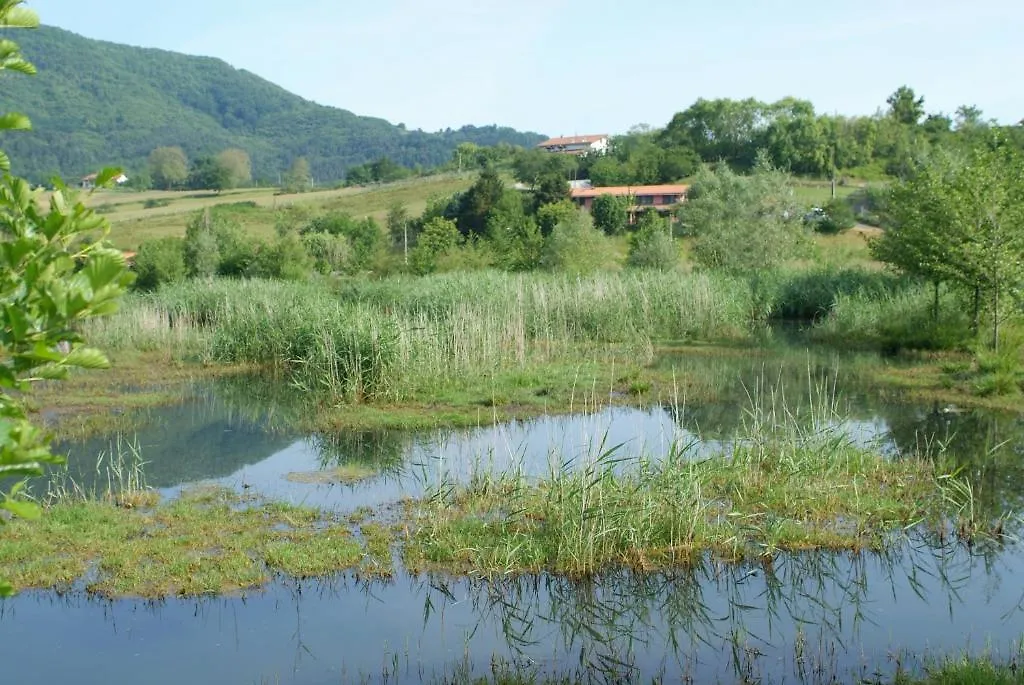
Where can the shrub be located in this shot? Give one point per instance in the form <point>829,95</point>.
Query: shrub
<point>153,203</point>
<point>838,217</point>
<point>611,214</point>
<point>284,259</point>
<point>437,237</point>
<point>575,246</point>
<point>158,262</point>
<point>652,247</point>
<point>330,253</point>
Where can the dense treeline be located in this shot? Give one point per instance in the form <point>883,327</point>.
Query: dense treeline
<point>889,144</point>
<point>95,104</point>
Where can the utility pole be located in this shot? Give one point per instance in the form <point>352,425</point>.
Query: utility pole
<point>405,231</point>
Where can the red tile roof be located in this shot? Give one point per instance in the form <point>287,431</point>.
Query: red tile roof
<point>636,191</point>
<point>573,140</point>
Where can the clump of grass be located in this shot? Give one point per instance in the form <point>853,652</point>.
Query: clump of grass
<point>778,487</point>
<point>209,541</point>
<point>346,474</point>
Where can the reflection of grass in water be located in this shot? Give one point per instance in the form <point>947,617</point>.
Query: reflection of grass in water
<point>782,485</point>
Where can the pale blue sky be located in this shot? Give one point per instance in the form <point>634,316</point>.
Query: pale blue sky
<point>569,66</point>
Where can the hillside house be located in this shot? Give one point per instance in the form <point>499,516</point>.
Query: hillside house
<point>663,198</point>
<point>89,182</point>
<point>577,145</point>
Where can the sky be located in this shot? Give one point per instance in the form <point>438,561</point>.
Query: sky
<point>564,67</point>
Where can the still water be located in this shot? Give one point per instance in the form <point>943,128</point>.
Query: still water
<point>808,618</point>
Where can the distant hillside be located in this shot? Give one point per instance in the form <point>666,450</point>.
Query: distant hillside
<point>96,103</point>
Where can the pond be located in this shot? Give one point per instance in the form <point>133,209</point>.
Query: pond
<point>805,617</point>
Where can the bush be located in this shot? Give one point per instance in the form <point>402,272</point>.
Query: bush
<point>575,246</point>
<point>869,205</point>
<point>158,262</point>
<point>652,247</point>
<point>153,203</point>
<point>437,237</point>
<point>838,217</point>
<point>284,259</point>
<point>330,253</point>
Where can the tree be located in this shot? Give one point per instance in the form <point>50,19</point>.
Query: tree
<point>299,176</point>
<point>905,107</point>
<point>437,237</point>
<point>398,227</point>
<point>477,202</point>
<point>514,235</point>
<point>51,280</point>
<point>551,187</point>
<point>238,165</point>
<point>611,213</point>
<point>209,174</point>
<point>743,224</point>
<point>961,219</point>
<point>549,216</point>
<point>575,246</point>
<point>201,252</point>
<point>652,247</point>
<point>159,261</point>
<point>168,166</point>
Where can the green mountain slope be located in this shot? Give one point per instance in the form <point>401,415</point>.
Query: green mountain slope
<point>96,103</point>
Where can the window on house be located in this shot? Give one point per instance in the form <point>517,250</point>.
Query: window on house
<point>645,200</point>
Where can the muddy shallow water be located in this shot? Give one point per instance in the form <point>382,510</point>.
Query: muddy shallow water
<point>807,618</point>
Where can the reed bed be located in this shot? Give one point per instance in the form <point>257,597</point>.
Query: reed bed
<point>365,340</point>
<point>781,484</point>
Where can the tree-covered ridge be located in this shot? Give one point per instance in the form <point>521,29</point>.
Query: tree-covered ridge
<point>97,103</point>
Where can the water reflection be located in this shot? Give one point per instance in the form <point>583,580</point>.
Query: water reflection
<point>810,618</point>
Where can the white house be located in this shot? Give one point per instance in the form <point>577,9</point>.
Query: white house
<point>89,182</point>
<point>577,145</point>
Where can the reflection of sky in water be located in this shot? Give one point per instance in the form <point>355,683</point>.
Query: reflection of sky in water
<point>535,447</point>
<point>853,613</point>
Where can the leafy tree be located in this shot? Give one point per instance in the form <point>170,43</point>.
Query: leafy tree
<point>364,236</point>
<point>962,220</point>
<point>575,246</point>
<point>51,280</point>
<point>208,174</point>
<point>238,165</point>
<point>743,224</point>
<point>905,107</point>
<point>549,216</point>
<point>611,214</point>
<point>477,202</point>
<point>286,259</point>
<point>651,246</point>
<point>141,181</point>
<point>169,167</point>
<point>551,187</point>
<point>160,261</point>
<point>330,253</point>
<point>398,224</point>
<point>514,235</point>
<point>201,251</point>
<point>838,217</point>
<point>299,176</point>
<point>437,237</point>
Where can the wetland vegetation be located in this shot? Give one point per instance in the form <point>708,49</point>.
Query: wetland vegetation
<point>536,443</point>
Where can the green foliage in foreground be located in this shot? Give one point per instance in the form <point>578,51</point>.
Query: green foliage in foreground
<point>781,488</point>
<point>51,281</point>
<point>969,671</point>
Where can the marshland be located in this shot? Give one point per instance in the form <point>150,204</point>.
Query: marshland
<point>735,399</point>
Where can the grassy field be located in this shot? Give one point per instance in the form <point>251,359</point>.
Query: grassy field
<point>818,194</point>
<point>133,223</point>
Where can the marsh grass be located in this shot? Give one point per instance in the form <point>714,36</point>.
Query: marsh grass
<point>346,474</point>
<point>782,484</point>
<point>120,541</point>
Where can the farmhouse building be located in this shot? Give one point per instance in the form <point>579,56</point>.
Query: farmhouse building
<point>663,198</point>
<point>577,145</point>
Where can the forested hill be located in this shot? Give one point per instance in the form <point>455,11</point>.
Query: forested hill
<point>96,103</point>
